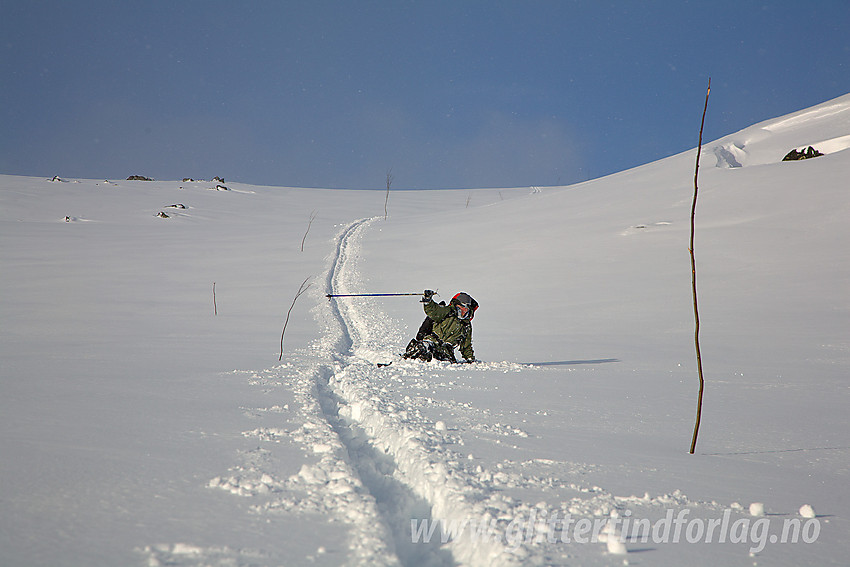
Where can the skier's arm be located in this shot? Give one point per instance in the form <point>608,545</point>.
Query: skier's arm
<point>436,311</point>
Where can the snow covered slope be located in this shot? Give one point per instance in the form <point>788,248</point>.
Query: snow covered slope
<point>146,418</point>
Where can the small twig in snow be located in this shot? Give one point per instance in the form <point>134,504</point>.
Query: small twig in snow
<point>309,224</point>
<point>301,289</point>
<point>389,182</point>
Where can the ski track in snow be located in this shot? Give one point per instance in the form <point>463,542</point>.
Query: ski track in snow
<point>375,465</point>
<point>403,468</point>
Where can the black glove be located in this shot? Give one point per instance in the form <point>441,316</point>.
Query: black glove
<point>427,295</point>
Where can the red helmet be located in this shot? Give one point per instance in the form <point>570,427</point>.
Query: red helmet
<point>465,306</point>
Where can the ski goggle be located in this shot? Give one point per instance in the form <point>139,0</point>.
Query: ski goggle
<point>464,311</point>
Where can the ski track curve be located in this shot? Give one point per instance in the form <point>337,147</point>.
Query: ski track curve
<point>404,465</point>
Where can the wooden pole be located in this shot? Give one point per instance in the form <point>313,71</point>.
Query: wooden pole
<point>694,278</point>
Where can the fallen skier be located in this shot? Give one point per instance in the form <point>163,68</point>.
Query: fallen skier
<point>445,328</point>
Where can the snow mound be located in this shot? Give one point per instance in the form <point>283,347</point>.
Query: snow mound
<point>730,155</point>
<point>769,141</point>
<point>807,511</point>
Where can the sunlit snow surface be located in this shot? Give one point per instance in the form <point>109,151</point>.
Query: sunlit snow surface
<point>147,420</point>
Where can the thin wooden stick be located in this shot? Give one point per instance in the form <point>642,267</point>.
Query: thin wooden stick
<point>301,289</point>
<point>215,307</point>
<point>389,182</point>
<point>694,278</point>
<point>309,224</point>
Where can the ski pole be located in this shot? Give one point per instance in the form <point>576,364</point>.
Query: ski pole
<point>330,295</point>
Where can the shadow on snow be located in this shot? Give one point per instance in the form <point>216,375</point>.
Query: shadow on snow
<point>573,362</point>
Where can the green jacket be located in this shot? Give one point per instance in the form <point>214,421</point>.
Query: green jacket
<point>449,329</point>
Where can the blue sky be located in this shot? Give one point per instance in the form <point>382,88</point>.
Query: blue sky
<point>446,94</point>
